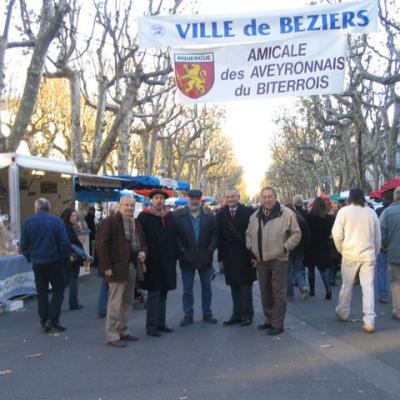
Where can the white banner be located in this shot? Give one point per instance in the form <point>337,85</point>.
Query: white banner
<point>202,30</point>
<point>298,67</point>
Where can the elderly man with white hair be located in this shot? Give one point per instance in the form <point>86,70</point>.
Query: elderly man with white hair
<point>121,246</point>
<point>45,243</point>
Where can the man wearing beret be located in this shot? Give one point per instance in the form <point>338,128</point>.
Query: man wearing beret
<point>197,238</point>
<point>160,275</point>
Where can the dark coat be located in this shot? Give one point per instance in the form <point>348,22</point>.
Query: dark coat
<point>44,239</point>
<point>73,239</point>
<point>114,250</point>
<point>232,249</point>
<point>195,255</point>
<point>163,251</point>
<point>91,224</point>
<point>318,252</point>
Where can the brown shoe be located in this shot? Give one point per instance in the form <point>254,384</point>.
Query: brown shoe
<point>210,319</point>
<point>129,338</point>
<point>368,328</point>
<point>116,343</point>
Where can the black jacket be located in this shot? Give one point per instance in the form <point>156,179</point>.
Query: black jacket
<point>318,251</point>
<point>232,245</point>
<point>195,255</point>
<point>162,254</point>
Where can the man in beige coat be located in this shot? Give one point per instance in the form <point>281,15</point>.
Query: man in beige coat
<point>272,233</point>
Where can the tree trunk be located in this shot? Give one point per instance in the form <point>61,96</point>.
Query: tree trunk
<point>51,20</point>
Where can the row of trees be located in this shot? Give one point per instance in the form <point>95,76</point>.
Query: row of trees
<point>331,143</point>
<point>91,95</point>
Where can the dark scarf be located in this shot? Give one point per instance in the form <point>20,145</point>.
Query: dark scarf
<point>263,218</point>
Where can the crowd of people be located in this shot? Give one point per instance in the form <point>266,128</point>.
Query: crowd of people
<point>278,245</point>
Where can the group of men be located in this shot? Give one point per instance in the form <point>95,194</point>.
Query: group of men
<point>251,244</point>
<point>247,247</point>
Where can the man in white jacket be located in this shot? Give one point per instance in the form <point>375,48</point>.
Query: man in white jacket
<point>357,237</point>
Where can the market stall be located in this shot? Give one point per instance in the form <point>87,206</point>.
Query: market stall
<point>23,179</point>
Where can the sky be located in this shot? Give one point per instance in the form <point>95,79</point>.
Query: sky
<point>249,123</point>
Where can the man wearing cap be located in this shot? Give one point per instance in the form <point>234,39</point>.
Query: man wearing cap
<point>160,276</point>
<point>197,235</point>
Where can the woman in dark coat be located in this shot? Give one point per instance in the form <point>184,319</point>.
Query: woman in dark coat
<point>160,277</point>
<point>318,252</point>
<point>77,256</point>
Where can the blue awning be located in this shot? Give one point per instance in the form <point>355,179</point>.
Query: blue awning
<point>149,182</point>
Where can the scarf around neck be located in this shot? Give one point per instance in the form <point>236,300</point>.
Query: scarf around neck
<point>163,213</point>
<point>130,232</point>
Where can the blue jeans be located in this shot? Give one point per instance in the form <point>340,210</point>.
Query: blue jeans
<point>188,299</point>
<point>381,271</point>
<point>103,298</point>
<point>295,271</point>
<point>72,272</point>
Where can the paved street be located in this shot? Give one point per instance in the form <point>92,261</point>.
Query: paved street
<point>317,357</point>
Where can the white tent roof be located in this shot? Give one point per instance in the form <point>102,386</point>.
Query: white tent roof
<point>37,163</point>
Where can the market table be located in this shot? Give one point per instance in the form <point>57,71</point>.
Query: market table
<point>16,277</point>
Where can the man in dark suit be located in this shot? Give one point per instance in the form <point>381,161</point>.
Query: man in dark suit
<point>235,259</point>
<point>197,236</point>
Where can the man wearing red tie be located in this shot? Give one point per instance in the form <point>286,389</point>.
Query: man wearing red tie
<point>235,259</point>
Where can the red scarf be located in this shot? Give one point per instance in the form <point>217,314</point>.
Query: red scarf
<point>160,214</point>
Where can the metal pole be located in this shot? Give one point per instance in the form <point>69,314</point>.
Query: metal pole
<point>15,215</point>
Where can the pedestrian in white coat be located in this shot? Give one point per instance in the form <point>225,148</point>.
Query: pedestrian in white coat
<point>357,236</point>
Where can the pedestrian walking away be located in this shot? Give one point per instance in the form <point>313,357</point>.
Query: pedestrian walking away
<point>272,233</point>
<point>44,243</point>
<point>357,236</point>
<point>235,258</point>
<point>197,236</point>
<point>317,253</point>
<point>296,258</point>
<point>381,260</point>
<point>122,249</point>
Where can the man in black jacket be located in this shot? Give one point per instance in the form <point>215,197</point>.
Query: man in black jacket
<point>235,259</point>
<point>197,236</point>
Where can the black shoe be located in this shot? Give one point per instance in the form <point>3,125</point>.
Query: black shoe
<point>383,299</point>
<point>77,307</point>
<point>165,329</point>
<point>57,328</point>
<point>312,293</point>
<point>246,322</point>
<point>101,315</point>
<point>265,325</point>
<point>129,338</point>
<point>154,333</point>
<point>209,319</point>
<point>274,331</point>
<point>186,321</point>
<point>45,327</point>
<point>328,295</point>
<point>232,321</point>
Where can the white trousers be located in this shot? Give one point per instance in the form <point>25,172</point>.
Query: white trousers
<point>366,274</point>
